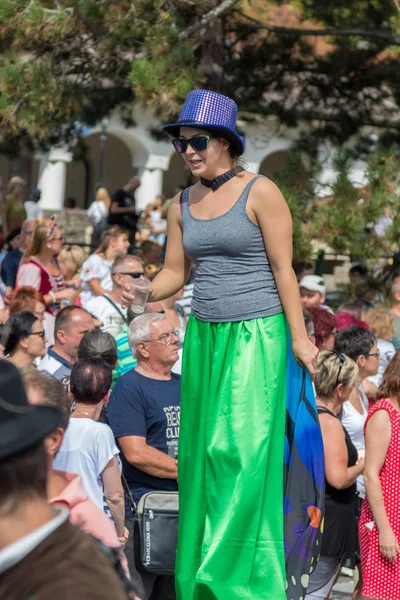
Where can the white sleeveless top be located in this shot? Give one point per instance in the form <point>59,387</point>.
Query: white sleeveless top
<point>354,423</point>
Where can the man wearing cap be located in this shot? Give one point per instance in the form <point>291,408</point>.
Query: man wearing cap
<point>42,555</point>
<point>313,292</point>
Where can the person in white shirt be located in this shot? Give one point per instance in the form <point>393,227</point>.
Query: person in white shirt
<point>99,211</point>
<point>96,274</point>
<point>108,308</point>
<point>360,345</point>
<point>89,448</point>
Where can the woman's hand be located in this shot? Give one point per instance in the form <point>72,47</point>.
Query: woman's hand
<point>388,544</point>
<point>306,354</point>
<point>128,296</point>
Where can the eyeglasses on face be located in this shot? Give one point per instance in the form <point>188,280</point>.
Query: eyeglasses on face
<point>39,333</point>
<point>134,274</point>
<point>166,338</point>
<point>199,143</point>
<point>377,353</point>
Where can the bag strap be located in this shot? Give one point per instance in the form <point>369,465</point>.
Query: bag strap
<point>116,308</point>
<point>128,495</point>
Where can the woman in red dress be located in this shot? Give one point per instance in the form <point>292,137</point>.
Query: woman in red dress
<point>39,267</point>
<point>379,527</point>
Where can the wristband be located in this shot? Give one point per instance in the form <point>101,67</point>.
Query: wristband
<point>53,297</point>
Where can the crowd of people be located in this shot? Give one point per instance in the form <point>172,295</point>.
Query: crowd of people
<point>96,343</point>
<point>90,404</point>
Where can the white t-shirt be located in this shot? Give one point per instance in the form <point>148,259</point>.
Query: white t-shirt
<point>354,422</point>
<point>33,210</point>
<point>95,267</point>
<point>87,449</point>
<point>98,211</point>
<point>103,310</point>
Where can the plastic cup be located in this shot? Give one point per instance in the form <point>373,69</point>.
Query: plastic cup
<point>141,289</point>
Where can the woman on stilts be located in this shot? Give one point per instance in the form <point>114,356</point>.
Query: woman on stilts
<point>236,228</point>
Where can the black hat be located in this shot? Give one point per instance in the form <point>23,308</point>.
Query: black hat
<point>21,424</point>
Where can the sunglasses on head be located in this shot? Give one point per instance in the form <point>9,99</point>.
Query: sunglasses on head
<point>341,358</point>
<point>199,143</point>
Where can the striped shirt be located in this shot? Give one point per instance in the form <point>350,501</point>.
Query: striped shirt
<point>126,362</point>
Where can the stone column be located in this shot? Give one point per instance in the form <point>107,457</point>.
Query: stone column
<point>52,178</point>
<point>151,177</point>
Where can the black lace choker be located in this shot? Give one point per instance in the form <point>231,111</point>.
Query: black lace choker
<point>216,183</point>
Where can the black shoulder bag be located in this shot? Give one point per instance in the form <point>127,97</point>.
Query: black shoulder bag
<point>155,532</point>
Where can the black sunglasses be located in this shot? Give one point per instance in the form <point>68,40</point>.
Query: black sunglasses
<point>134,274</point>
<point>199,143</point>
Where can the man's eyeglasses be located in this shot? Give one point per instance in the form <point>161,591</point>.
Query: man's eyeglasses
<point>199,143</point>
<point>377,353</point>
<point>342,359</point>
<point>39,333</point>
<point>134,274</point>
<point>166,338</point>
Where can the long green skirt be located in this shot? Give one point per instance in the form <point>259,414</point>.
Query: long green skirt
<point>231,457</point>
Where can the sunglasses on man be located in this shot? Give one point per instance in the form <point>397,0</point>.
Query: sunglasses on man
<point>133,274</point>
<point>199,143</point>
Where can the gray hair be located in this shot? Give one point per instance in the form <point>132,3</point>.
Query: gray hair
<point>139,329</point>
<point>122,259</point>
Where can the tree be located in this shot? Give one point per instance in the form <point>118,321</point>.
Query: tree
<point>66,62</point>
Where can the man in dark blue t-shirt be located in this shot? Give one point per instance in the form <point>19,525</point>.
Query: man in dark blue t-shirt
<point>144,414</point>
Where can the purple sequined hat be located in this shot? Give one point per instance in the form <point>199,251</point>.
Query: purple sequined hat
<point>204,109</point>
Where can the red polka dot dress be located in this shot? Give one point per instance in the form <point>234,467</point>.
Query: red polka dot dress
<point>381,578</point>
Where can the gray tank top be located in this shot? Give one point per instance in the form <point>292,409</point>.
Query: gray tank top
<point>233,280</point>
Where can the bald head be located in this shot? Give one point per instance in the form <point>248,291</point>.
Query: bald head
<point>132,184</point>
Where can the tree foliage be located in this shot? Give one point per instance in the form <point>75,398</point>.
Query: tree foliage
<point>330,63</point>
<point>345,221</point>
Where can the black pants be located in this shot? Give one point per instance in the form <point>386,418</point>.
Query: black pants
<point>151,587</point>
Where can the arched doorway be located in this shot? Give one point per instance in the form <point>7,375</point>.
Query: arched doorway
<point>83,174</point>
<point>273,164</point>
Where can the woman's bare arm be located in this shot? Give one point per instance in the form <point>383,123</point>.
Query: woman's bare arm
<point>377,439</point>
<point>114,494</point>
<point>273,216</point>
<point>337,473</point>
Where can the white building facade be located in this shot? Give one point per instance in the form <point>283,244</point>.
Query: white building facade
<point>127,151</point>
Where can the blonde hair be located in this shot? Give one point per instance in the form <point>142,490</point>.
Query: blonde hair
<point>108,234</point>
<point>102,195</point>
<point>329,374</point>
<point>43,233</point>
<point>381,322</point>
<point>14,181</point>
<point>72,257</point>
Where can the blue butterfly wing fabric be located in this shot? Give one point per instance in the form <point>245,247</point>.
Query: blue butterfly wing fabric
<point>304,482</point>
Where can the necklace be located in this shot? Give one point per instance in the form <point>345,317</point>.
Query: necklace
<point>83,412</point>
<point>216,183</point>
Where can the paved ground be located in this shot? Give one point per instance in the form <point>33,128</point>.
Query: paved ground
<point>343,589</point>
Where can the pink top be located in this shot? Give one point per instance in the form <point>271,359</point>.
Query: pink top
<point>86,515</point>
